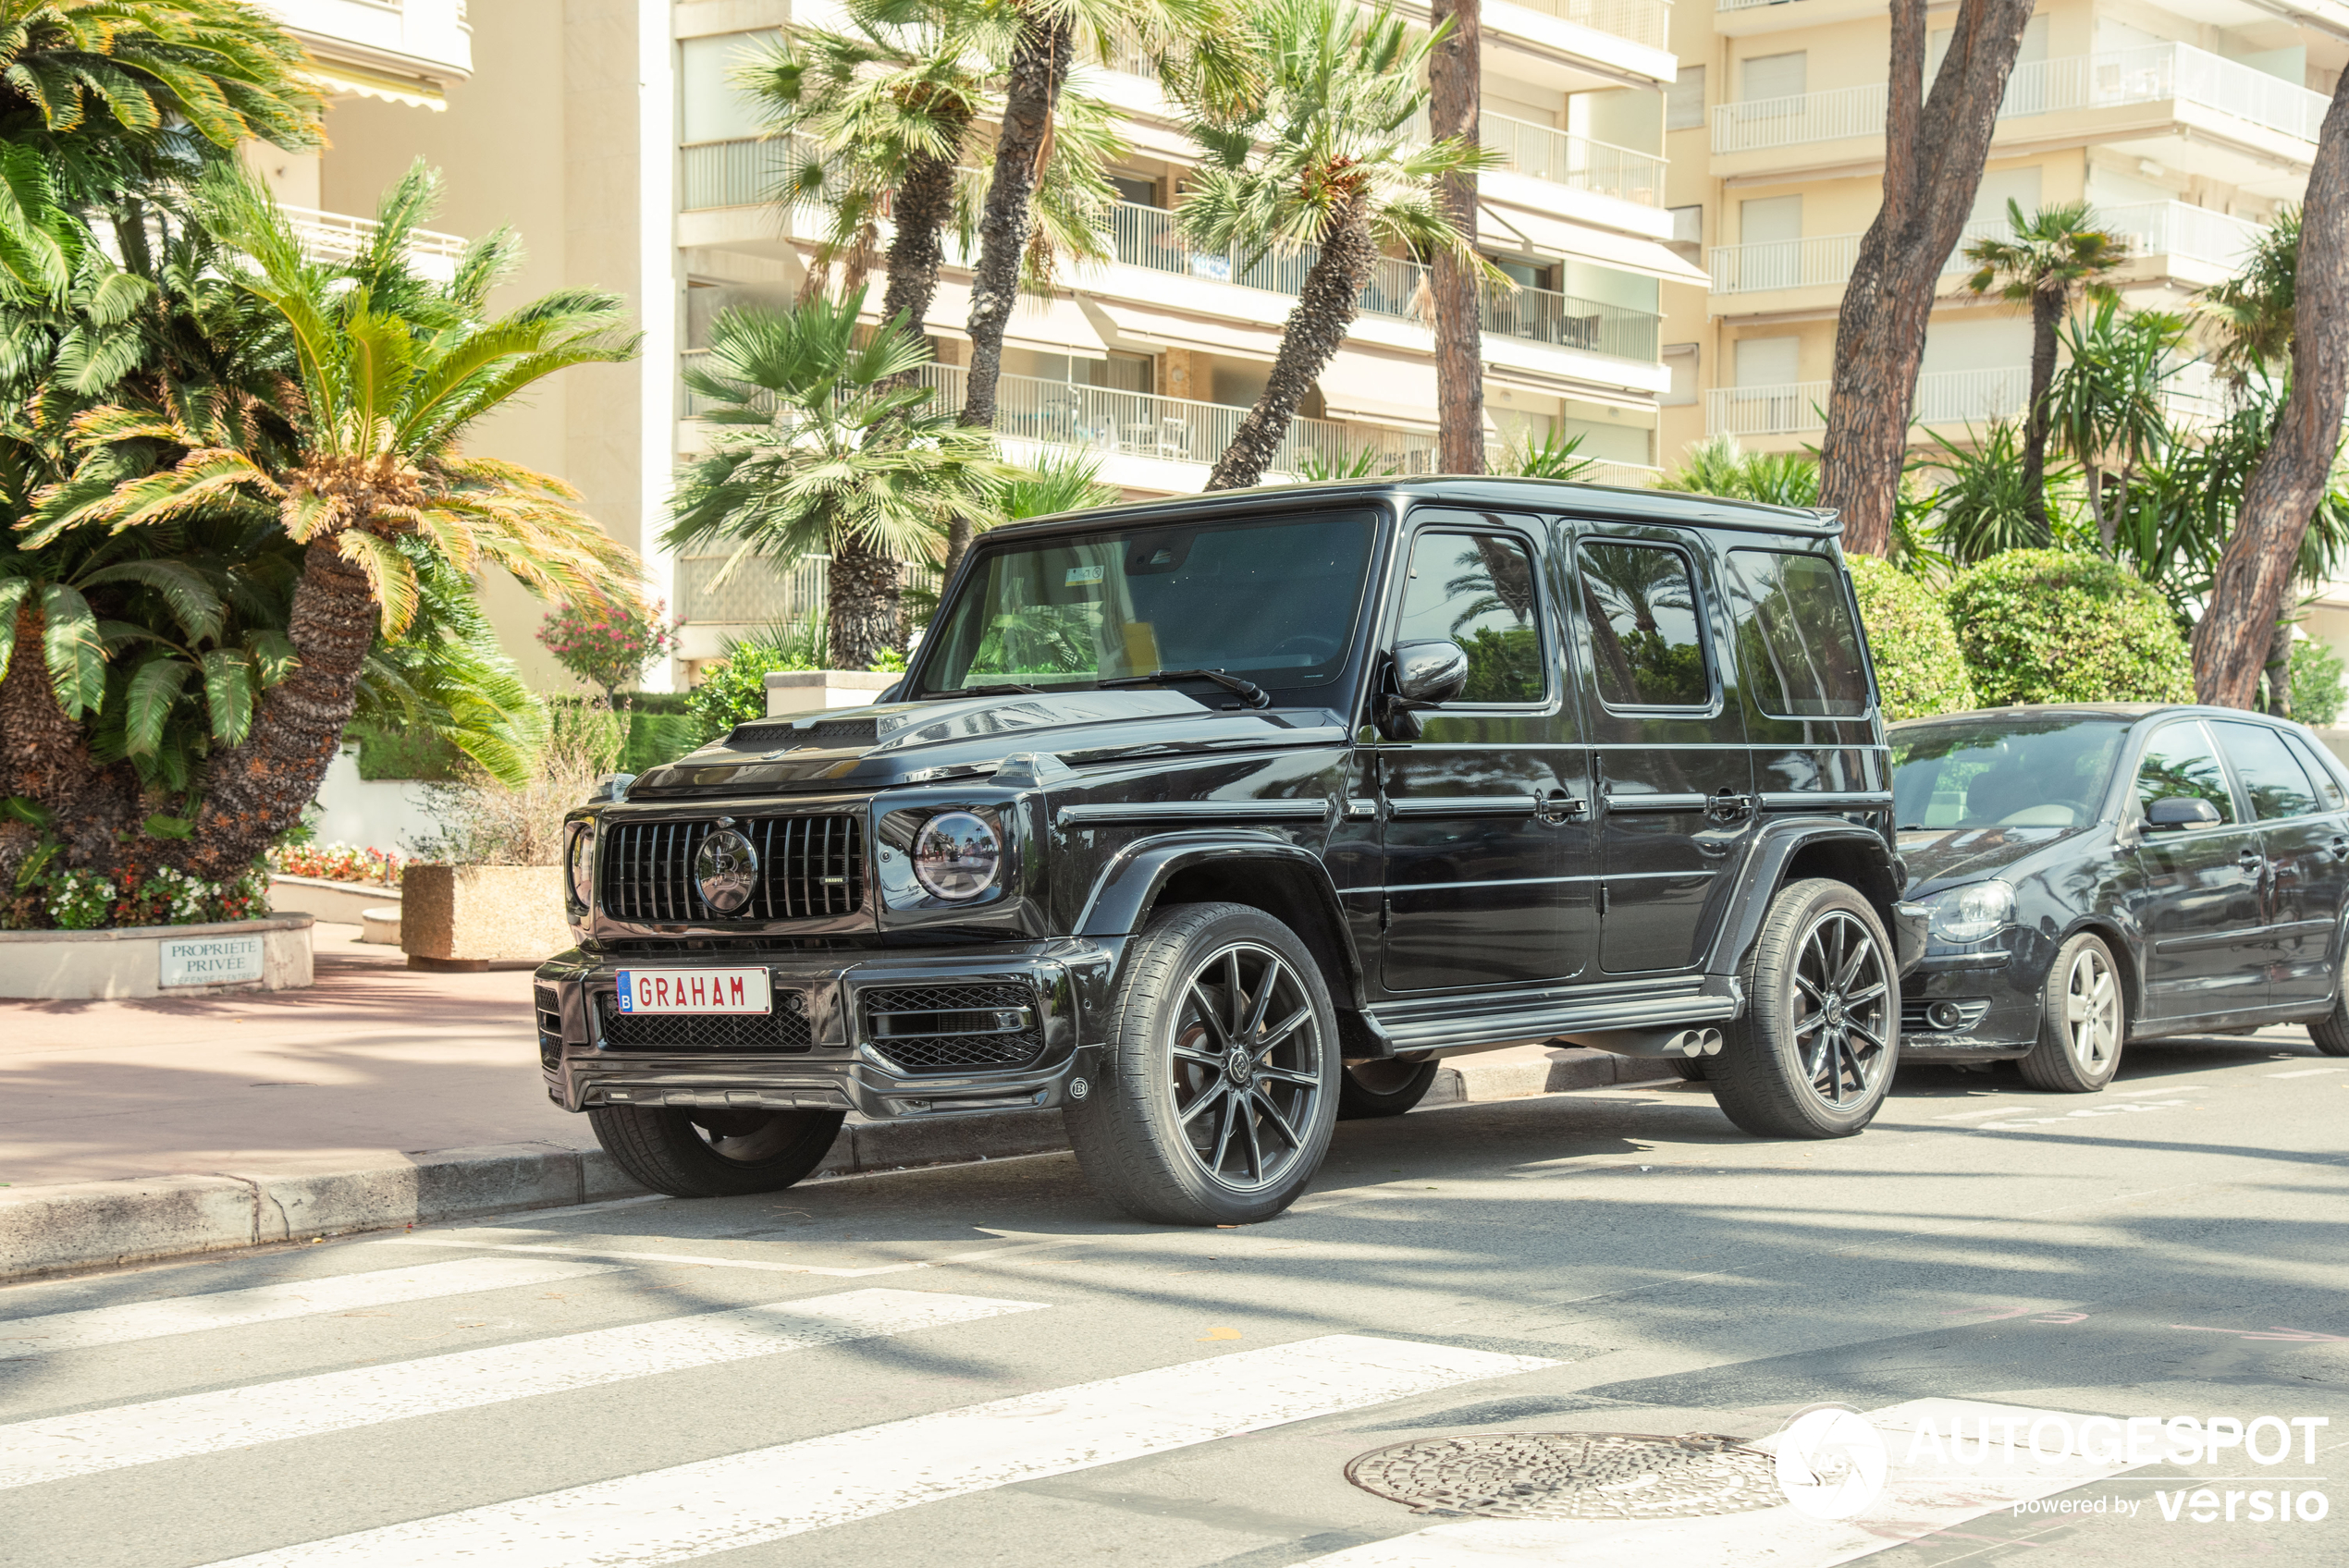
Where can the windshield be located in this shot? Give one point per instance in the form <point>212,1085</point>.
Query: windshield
<point>2003,772</point>
<point>1270,602</point>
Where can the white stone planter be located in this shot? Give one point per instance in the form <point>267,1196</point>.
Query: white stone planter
<point>802,691</point>
<point>471,917</point>
<point>345,903</point>
<point>157,961</point>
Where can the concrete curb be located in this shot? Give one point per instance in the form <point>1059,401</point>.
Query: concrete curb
<point>56,1229</point>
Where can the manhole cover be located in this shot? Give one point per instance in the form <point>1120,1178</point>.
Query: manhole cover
<point>1572,1476</point>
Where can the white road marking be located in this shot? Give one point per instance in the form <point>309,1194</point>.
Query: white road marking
<point>761,1264</point>
<point>32,1452</point>
<point>51,1332</point>
<point>1918,1499</point>
<point>2007,1109</point>
<point>2086,1113</point>
<point>2140,1094</point>
<point>745,1499</point>
<point>2309,1072</point>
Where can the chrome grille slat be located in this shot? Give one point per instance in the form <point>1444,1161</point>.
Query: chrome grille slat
<point>809,867</point>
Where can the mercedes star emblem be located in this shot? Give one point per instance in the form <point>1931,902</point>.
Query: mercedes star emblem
<point>727,869</point>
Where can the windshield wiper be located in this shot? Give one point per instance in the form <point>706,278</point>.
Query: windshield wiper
<point>1248,692</point>
<point>1006,690</point>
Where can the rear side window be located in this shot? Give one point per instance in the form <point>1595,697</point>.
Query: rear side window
<point>1646,633</point>
<point>1477,590</point>
<point>1796,638</point>
<point>2272,776</point>
<point>2323,772</point>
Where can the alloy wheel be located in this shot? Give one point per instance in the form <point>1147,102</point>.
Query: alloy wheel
<point>2091,1012</point>
<point>1842,1025</point>
<point>1245,1054</point>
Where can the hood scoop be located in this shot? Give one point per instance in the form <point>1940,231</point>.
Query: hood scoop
<point>829,734</point>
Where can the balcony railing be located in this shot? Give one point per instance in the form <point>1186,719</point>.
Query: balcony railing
<point>1138,425</point>
<point>1148,236</point>
<point>762,591</point>
<point>2150,228</point>
<point>1958,397</point>
<point>1640,21</point>
<point>337,236</point>
<point>2150,75</point>
<point>1576,162</point>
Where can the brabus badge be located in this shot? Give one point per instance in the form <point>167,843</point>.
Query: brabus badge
<point>727,868</point>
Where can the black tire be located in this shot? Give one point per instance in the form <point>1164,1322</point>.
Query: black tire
<point>2083,1021</point>
<point>1688,1067</point>
<point>1389,1088</point>
<point>1159,1135</point>
<point>715,1154</point>
<point>2331,1030</point>
<point>1814,1053</point>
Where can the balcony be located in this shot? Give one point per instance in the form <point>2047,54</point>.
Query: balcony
<point>336,237</point>
<point>2272,114</point>
<point>2214,243</point>
<point>1576,162</point>
<point>1636,21</point>
<point>1959,397</point>
<point>405,51</point>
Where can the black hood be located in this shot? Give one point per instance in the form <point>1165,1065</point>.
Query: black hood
<point>919,742</point>
<point>1947,857</point>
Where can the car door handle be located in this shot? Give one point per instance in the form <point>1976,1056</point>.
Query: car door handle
<point>2341,848</point>
<point>1727,806</point>
<point>1559,806</point>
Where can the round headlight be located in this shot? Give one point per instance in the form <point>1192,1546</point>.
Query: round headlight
<point>957,855</point>
<point>1971,913</point>
<point>582,865</point>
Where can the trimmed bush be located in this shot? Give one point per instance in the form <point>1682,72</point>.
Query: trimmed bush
<point>2050,626</point>
<point>1919,668</point>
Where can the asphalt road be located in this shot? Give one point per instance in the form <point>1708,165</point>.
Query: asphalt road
<point>987,1366</point>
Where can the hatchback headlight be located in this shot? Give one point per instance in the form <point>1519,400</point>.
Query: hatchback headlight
<point>958,856</point>
<point>581,861</point>
<point>1971,913</point>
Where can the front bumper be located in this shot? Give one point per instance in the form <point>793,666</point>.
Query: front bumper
<point>1993,992</point>
<point>843,1065</point>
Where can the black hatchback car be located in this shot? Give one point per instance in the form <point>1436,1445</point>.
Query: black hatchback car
<point>1207,820</point>
<point>2102,872</point>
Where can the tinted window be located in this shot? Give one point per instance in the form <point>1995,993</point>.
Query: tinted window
<point>1796,638</point>
<point>2004,773</point>
<point>1647,646</point>
<point>2272,776</point>
<point>2323,772</point>
<point>1477,590</point>
<point>2179,761</point>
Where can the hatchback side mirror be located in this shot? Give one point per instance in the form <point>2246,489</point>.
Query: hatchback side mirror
<point>2175,813</point>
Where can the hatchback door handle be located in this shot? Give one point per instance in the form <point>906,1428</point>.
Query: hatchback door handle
<point>2341,848</point>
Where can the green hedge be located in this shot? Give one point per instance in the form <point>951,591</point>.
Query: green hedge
<point>1919,667</point>
<point>2051,626</point>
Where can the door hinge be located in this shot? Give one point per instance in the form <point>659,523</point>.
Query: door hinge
<point>1601,899</point>
<point>1385,915</point>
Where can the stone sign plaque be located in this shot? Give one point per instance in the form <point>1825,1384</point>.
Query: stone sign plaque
<point>211,960</point>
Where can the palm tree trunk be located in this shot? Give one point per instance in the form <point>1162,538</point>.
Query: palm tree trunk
<point>44,757</point>
<point>923,201</point>
<point>1455,79</point>
<point>1310,341</point>
<point>256,790</point>
<point>1031,96</point>
<point>1934,150</point>
<point>2047,310</point>
<point>861,611</point>
<point>2231,641</point>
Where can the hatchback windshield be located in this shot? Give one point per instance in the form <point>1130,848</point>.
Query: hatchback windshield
<point>1274,603</point>
<point>2003,772</point>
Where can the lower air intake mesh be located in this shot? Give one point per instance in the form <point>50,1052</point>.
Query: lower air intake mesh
<point>952,1028</point>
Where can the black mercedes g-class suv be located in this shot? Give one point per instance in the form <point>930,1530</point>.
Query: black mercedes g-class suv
<point>1212,820</point>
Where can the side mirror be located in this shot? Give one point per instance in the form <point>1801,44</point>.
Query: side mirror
<point>611,787</point>
<point>1431,672</point>
<point>2176,813</point>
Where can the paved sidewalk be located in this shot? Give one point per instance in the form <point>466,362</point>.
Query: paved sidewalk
<point>384,1095</point>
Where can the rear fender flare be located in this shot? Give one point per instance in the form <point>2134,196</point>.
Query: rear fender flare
<point>1764,872</point>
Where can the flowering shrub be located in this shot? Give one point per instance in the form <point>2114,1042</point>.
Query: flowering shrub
<point>338,863</point>
<point>85,901</point>
<point>80,901</point>
<point>604,644</point>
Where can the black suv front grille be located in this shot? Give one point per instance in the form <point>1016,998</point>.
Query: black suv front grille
<point>952,1028</point>
<point>809,867</point>
<point>785,1029</point>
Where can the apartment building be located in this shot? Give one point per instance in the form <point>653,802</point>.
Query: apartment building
<point>2185,123</point>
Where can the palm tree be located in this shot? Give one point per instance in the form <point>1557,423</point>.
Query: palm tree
<point>2250,313</point>
<point>2106,408</point>
<point>2055,253</point>
<point>1323,156</point>
<point>101,99</point>
<point>388,372</point>
<point>1715,466</point>
<point>818,450</point>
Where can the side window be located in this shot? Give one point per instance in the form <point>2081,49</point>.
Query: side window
<point>2323,771</point>
<point>2272,776</point>
<point>1477,590</point>
<point>2179,761</point>
<point>1646,631</point>
<point>1795,635</point>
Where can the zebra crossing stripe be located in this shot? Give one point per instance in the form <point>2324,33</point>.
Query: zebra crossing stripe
<point>51,1332</point>
<point>51,1450</point>
<point>741,1500</point>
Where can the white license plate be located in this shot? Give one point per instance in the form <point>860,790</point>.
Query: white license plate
<point>695,991</point>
